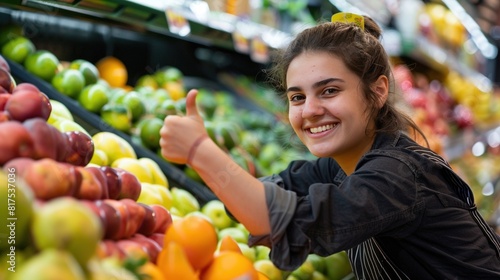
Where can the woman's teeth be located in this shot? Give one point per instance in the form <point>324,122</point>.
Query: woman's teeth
<point>321,128</point>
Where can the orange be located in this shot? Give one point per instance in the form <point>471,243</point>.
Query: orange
<point>113,71</point>
<point>173,263</point>
<point>150,271</point>
<point>228,243</point>
<point>198,238</point>
<point>229,265</point>
<point>262,276</point>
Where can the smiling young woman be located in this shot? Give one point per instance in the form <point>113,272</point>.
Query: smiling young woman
<point>396,207</point>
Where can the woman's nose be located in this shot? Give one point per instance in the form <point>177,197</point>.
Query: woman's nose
<point>312,108</point>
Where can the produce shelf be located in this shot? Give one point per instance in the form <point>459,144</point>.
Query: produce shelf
<point>94,123</point>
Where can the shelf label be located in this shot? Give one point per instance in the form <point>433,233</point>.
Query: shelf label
<point>177,23</point>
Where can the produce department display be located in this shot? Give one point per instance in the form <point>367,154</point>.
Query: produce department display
<point>88,207</point>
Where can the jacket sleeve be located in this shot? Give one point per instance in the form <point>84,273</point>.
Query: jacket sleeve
<point>313,208</point>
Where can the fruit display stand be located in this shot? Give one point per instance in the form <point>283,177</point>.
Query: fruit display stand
<point>95,124</point>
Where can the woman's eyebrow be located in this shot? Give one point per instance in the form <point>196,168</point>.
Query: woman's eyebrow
<point>317,84</point>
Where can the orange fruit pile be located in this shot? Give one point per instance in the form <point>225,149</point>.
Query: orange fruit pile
<point>190,252</point>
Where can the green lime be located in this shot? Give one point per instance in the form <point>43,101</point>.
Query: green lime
<point>18,49</point>
<point>89,70</point>
<point>165,109</point>
<point>150,133</point>
<point>168,74</point>
<point>117,116</point>
<point>93,97</point>
<point>134,103</point>
<point>42,64</point>
<point>147,81</point>
<point>69,82</point>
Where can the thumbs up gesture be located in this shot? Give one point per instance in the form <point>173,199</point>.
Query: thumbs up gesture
<point>180,135</point>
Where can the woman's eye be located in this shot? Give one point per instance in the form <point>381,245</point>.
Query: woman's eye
<point>296,97</point>
<point>330,91</point>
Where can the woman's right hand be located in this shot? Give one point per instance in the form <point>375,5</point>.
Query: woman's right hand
<point>179,133</point>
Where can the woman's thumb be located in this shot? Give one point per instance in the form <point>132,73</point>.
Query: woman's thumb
<point>191,109</point>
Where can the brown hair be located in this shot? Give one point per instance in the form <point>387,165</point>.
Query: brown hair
<point>362,53</point>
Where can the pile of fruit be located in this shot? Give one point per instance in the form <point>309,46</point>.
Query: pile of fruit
<point>85,207</point>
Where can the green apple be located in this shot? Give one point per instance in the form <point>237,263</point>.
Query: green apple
<point>248,251</point>
<point>69,82</point>
<point>65,223</point>
<point>65,125</point>
<point>93,97</point>
<point>262,252</point>
<point>305,271</point>
<point>216,210</point>
<point>50,264</point>
<point>337,266</point>
<point>184,201</point>
<point>236,233</point>
<point>318,262</point>
<point>269,269</point>
<point>149,195</point>
<point>200,214</point>
<point>43,64</point>
<point>89,70</point>
<point>59,110</point>
<point>18,48</point>
<point>318,276</point>
<point>16,211</point>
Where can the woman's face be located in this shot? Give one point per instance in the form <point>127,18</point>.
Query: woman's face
<point>327,109</point>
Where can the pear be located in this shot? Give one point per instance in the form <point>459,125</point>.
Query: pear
<point>66,223</point>
<point>50,264</point>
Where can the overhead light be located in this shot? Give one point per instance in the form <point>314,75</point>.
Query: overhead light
<point>488,50</point>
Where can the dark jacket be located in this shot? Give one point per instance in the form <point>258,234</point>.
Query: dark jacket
<point>402,214</point>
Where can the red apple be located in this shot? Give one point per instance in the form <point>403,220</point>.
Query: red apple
<point>18,165</point>
<point>113,182</point>
<point>152,247</point>
<point>25,86</point>
<point>163,218</point>
<point>4,116</point>
<point>112,220</point>
<point>81,148</point>
<point>44,136</point>
<point>136,215</point>
<point>90,187</point>
<point>6,80</point>
<point>109,248</point>
<point>132,248</point>
<point>130,186</point>
<point>4,64</point>
<point>101,177</point>
<point>123,231</point>
<point>27,104</point>
<point>15,141</point>
<point>4,97</point>
<point>148,224</point>
<point>158,238</point>
<point>50,179</point>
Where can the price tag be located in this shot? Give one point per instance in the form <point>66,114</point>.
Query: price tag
<point>241,43</point>
<point>177,23</point>
<point>259,52</point>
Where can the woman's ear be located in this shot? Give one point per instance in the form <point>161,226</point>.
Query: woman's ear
<point>381,88</point>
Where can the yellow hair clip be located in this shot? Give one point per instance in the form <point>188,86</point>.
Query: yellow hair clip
<point>349,18</point>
